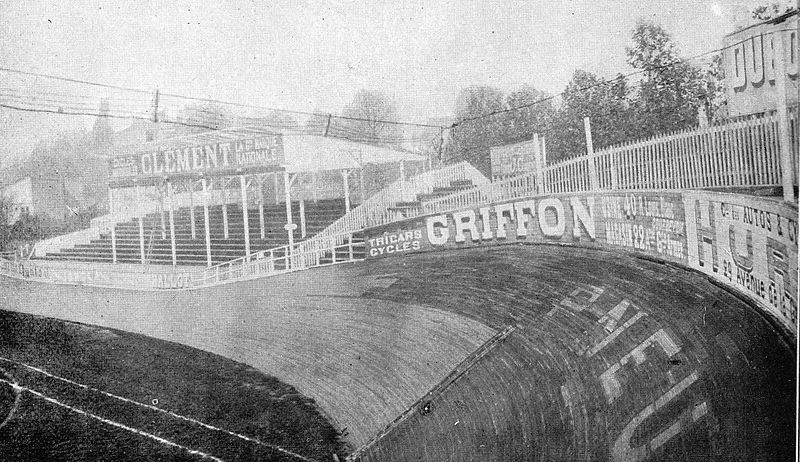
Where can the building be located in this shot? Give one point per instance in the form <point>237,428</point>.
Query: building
<point>38,195</point>
<point>753,56</point>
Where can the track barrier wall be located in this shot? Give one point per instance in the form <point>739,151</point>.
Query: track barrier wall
<point>745,243</point>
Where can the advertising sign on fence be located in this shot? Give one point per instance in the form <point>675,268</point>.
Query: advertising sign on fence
<point>512,159</point>
<point>746,243</point>
<point>646,222</point>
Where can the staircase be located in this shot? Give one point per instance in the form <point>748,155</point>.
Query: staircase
<point>414,208</point>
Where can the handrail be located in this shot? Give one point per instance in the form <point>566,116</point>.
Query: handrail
<point>281,260</point>
<point>269,263</point>
<point>376,210</point>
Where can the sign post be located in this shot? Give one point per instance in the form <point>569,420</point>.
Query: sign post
<point>594,185</point>
<point>787,163</point>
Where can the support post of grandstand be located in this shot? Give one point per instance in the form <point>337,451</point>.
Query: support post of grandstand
<point>140,200</point>
<point>275,182</point>
<point>245,217</point>
<point>110,200</point>
<point>302,218</point>
<point>207,228</point>
<point>402,170</point>
<point>538,165</point>
<point>161,213</point>
<point>171,200</point>
<point>593,183</point>
<point>113,243</point>
<point>314,185</point>
<point>350,247</point>
<point>362,191</point>
<point>290,226</point>
<point>346,183</point>
<point>787,161</point>
<point>261,215</point>
<point>224,209</point>
<point>191,208</point>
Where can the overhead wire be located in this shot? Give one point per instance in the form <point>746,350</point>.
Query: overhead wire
<point>70,108</point>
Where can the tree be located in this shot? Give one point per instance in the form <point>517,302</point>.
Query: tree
<point>6,211</point>
<point>368,118</point>
<point>532,112</point>
<point>671,91</point>
<point>606,104</point>
<point>772,10</point>
<point>479,125</point>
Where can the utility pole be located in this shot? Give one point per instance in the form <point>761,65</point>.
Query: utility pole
<point>155,115</point>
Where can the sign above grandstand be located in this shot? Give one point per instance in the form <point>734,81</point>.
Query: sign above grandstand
<point>237,156</point>
<point>751,62</point>
<point>512,159</point>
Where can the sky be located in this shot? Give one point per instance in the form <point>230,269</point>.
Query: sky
<point>314,55</point>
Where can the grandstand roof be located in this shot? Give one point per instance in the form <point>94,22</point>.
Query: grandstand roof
<point>303,153</point>
<point>307,153</point>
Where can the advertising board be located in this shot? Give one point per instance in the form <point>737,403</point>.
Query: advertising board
<point>262,151</point>
<point>512,159</point>
<point>751,63</point>
<point>746,243</point>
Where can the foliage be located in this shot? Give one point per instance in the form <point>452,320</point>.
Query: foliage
<point>606,104</point>
<point>6,209</point>
<point>476,128</point>
<point>672,91</point>
<point>772,10</point>
<point>374,110</point>
<point>668,97</point>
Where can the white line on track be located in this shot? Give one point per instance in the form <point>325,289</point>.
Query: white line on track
<point>17,396</point>
<point>164,411</point>
<point>20,388</point>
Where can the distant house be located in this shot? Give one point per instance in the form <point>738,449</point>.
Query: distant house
<point>38,195</point>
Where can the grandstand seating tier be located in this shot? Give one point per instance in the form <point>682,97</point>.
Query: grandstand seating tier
<point>191,249</point>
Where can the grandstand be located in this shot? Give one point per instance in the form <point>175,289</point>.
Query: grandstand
<point>226,235</point>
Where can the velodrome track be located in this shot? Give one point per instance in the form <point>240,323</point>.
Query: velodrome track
<point>611,357</point>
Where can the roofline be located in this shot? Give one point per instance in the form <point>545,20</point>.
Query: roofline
<point>775,20</point>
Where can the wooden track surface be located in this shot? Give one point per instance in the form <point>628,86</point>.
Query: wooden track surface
<point>364,361</point>
<point>682,370</point>
<point>715,380</point>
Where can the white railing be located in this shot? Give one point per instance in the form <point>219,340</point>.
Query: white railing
<point>377,209</point>
<point>321,252</point>
<point>509,188</point>
<point>737,154</point>
<point>308,254</point>
<point>744,153</point>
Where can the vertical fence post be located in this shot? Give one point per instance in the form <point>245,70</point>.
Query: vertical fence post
<point>593,183</point>
<point>302,218</point>
<point>612,164</point>
<point>538,165</point>
<point>787,163</point>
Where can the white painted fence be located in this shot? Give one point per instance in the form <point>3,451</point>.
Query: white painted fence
<point>737,154</point>
<point>744,153</point>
